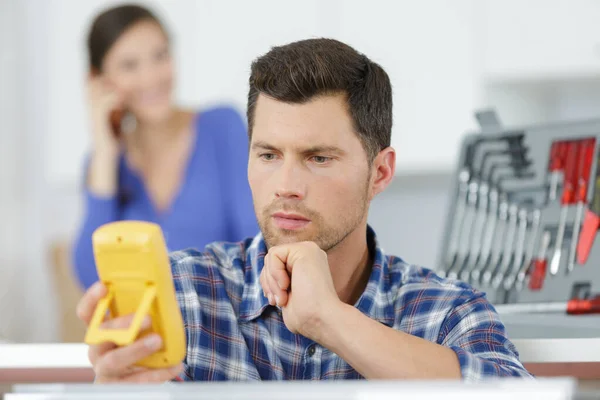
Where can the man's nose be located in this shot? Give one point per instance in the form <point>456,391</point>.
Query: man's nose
<point>291,180</point>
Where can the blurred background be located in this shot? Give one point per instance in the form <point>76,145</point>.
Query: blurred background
<point>533,61</point>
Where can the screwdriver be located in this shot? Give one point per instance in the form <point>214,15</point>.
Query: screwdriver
<point>538,265</point>
<point>567,199</point>
<point>557,162</point>
<point>571,307</point>
<point>586,156</point>
<point>591,223</point>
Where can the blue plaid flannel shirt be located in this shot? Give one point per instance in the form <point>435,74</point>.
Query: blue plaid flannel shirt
<point>234,334</point>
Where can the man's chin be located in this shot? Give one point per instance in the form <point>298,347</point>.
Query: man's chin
<point>280,237</point>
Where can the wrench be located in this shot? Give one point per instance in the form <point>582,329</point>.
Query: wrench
<point>535,230</point>
<point>496,252</point>
<point>488,238</point>
<point>519,250</point>
<point>508,246</point>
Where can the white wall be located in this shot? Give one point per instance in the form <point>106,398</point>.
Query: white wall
<point>8,158</point>
<point>27,307</point>
<point>429,56</point>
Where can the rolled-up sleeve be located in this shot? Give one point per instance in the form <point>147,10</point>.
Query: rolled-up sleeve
<point>473,330</point>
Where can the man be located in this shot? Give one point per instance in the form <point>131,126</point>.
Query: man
<point>313,296</point>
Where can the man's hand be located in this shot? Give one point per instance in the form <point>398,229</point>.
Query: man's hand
<point>297,278</point>
<point>114,364</point>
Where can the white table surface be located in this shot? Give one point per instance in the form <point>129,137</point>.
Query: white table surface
<point>68,356</point>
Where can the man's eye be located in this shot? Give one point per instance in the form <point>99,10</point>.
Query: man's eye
<point>320,159</point>
<point>267,156</point>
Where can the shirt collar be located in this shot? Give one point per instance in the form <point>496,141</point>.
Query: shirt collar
<point>254,301</point>
<point>376,302</point>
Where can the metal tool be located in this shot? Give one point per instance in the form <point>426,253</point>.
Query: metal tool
<point>463,240</point>
<point>591,224</point>
<point>476,232</point>
<point>518,258</point>
<point>461,203</point>
<point>490,257</point>
<point>557,160</point>
<point>460,226</point>
<point>496,251</point>
<point>566,200</point>
<point>476,226</point>
<point>586,157</point>
<point>539,265</point>
<point>509,243</point>
<point>514,239</point>
<point>573,307</point>
<point>484,218</point>
<point>528,258</point>
<point>558,153</point>
<point>488,237</point>
<point>464,176</point>
<point>470,216</point>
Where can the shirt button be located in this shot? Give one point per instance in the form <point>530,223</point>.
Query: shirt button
<point>311,350</point>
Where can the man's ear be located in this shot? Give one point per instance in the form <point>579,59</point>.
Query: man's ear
<point>382,170</point>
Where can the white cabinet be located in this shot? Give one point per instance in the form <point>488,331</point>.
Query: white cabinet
<point>540,39</point>
<point>428,49</point>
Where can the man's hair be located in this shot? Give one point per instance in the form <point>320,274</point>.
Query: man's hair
<point>300,71</point>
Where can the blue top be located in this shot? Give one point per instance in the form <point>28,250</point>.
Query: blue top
<point>234,334</point>
<point>214,202</point>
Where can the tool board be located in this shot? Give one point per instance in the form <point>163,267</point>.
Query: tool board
<point>505,209</point>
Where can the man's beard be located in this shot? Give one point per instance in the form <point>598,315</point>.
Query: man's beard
<point>322,232</point>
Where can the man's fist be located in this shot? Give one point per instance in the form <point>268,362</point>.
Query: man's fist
<point>297,278</point>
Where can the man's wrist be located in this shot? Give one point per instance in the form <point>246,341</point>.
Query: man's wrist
<point>328,333</point>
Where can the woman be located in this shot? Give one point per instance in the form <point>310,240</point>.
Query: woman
<point>151,160</point>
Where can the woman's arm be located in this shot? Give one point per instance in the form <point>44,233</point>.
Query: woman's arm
<point>101,207</point>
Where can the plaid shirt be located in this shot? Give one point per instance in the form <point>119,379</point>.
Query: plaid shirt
<point>234,334</point>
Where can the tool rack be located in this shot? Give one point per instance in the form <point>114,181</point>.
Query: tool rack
<point>522,202</point>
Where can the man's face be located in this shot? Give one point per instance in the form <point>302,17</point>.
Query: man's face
<point>308,171</point>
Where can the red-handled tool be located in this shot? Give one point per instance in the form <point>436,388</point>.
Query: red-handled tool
<point>591,223</point>
<point>586,157</point>
<point>573,307</point>
<point>568,198</point>
<point>538,265</point>
<point>558,152</point>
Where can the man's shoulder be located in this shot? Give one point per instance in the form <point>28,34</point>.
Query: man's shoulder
<point>428,305</point>
<point>423,284</point>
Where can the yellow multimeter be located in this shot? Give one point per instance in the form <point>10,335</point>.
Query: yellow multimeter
<point>133,263</point>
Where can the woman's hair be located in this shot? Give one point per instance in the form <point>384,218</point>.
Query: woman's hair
<point>108,27</point>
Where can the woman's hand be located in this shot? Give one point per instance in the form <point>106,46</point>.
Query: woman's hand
<point>103,101</point>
